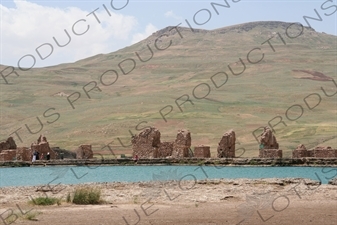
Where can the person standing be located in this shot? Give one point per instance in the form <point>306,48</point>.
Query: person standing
<point>34,156</point>
<point>48,156</point>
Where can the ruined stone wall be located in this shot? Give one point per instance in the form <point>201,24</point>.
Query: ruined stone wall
<point>268,140</point>
<point>165,150</point>
<point>84,152</point>
<point>43,148</point>
<point>270,153</point>
<point>146,143</point>
<point>318,152</point>
<point>8,155</point>
<point>202,152</point>
<point>321,152</point>
<point>24,154</point>
<point>182,144</point>
<point>226,146</point>
<point>8,144</point>
<point>300,152</point>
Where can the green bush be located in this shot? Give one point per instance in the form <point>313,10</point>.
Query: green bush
<point>45,201</point>
<point>86,196</point>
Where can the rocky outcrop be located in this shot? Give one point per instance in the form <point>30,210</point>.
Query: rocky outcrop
<point>268,140</point>
<point>84,152</point>
<point>226,146</point>
<point>146,143</point>
<point>182,144</point>
<point>8,144</point>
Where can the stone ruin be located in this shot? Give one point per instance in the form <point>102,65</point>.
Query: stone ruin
<point>270,153</point>
<point>226,147</point>
<point>318,152</point>
<point>8,144</point>
<point>9,151</point>
<point>42,146</point>
<point>165,150</point>
<point>300,152</point>
<point>23,153</point>
<point>268,140</point>
<point>182,144</point>
<point>202,151</point>
<point>84,152</point>
<point>147,144</point>
<point>268,145</point>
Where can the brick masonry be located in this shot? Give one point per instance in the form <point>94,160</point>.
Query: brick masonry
<point>202,152</point>
<point>84,152</point>
<point>270,153</point>
<point>146,143</point>
<point>226,146</point>
<point>318,152</point>
<point>182,144</point>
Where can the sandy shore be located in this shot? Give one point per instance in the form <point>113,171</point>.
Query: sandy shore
<point>208,202</point>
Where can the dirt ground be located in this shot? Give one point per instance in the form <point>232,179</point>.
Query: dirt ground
<point>212,202</point>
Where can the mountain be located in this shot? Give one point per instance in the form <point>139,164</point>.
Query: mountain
<point>240,77</point>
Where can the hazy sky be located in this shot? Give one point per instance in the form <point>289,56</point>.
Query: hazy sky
<point>96,28</point>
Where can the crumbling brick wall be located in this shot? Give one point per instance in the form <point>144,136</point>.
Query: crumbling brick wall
<point>146,143</point>
<point>268,140</point>
<point>300,152</point>
<point>42,146</point>
<point>24,154</point>
<point>226,146</point>
<point>202,152</point>
<point>323,152</point>
<point>182,144</point>
<point>165,150</point>
<point>8,155</point>
<point>270,153</point>
<point>84,152</point>
<point>8,144</point>
<point>318,152</point>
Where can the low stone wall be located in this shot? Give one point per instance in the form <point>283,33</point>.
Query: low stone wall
<point>270,153</point>
<point>202,152</point>
<point>322,153</point>
<point>22,154</point>
<point>8,155</point>
<point>165,150</point>
<point>300,153</point>
<point>318,152</point>
<point>184,161</point>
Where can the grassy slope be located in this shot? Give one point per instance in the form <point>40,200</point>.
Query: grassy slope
<point>244,103</point>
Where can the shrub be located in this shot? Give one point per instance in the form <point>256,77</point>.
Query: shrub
<point>45,201</point>
<point>86,196</point>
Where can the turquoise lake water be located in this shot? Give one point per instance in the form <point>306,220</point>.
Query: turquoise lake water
<point>29,176</point>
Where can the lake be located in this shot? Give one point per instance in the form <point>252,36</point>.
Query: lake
<point>31,176</point>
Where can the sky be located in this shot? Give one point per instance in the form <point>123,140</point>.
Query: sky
<point>35,33</point>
